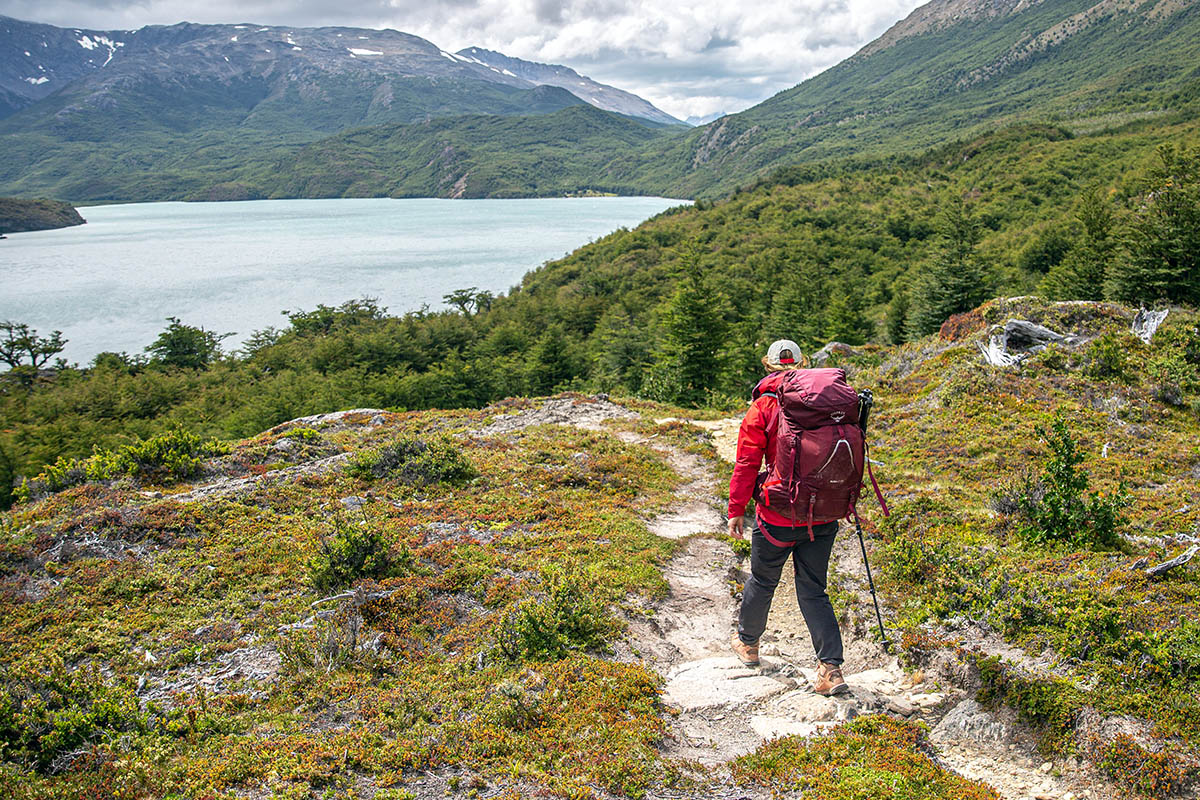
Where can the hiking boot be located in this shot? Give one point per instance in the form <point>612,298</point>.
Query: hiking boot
<point>829,680</point>
<point>746,653</point>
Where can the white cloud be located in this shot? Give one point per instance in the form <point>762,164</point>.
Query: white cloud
<point>706,56</point>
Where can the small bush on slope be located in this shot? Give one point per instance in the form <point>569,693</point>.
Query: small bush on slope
<point>356,550</point>
<point>173,456</point>
<point>569,618</point>
<point>1055,506</point>
<point>419,462</point>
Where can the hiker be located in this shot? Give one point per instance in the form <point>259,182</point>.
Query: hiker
<point>774,537</point>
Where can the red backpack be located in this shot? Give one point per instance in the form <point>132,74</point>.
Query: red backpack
<point>819,449</point>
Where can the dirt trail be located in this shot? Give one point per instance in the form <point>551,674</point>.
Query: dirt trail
<point>726,709</point>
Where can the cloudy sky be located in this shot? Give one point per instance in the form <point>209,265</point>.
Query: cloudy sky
<point>688,59</point>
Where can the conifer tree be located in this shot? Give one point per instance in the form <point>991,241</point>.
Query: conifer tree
<point>955,280</point>
<point>798,308</point>
<point>687,360</point>
<point>1163,241</point>
<point>1081,273</point>
<point>845,320</point>
<point>550,363</point>
<point>621,352</point>
<point>897,317</point>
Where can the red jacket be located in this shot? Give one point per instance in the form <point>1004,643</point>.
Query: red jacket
<point>756,440</point>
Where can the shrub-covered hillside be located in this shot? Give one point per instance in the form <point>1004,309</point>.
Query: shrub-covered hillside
<point>681,307</point>
<point>380,604</point>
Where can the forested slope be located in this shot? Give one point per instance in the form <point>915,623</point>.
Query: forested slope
<point>854,252</point>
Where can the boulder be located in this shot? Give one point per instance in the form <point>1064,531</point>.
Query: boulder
<point>969,723</point>
<point>716,682</point>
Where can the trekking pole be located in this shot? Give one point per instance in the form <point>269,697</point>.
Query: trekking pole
<point>865,402</point>
<point>887,644</point>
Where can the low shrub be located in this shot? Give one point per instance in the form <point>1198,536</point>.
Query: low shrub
<point>568,618</point>
<point>173,456</point>
<point>355,550</point>
<point>868,757</point>
<point>1055,506</point>
<point>1138,771</point>
<point>1051,706</point>
<point>415,461</point>
<point>49,719</point>
<point>334,642</point>
<point>1107,357</point>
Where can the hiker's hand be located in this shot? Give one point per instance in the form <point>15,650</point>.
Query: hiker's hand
<point>737,527</point>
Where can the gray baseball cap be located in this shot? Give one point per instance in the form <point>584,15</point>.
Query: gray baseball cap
<point>783,352</point>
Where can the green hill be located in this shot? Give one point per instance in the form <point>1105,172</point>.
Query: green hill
<point>562,152</point>
<point>17,215</point>
<point>953,69</point>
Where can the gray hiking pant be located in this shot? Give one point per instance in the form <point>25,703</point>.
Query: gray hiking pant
<point>810,561</point>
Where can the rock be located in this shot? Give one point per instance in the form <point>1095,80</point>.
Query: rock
<point>377,420</point>
<point>879,681</point>
<point>1046,767</point>
<point>833,348</point>
<point>805,706</point>
<point>284,446</point>
<point>719,681</point>
<point>969,723</point>
<point>898,705</point>
<point>862,699</point>
<point>1146,322</point>
<point>927,699</point>
<point>582,412</point>
<point>775,727</point>
<point>354,502</point>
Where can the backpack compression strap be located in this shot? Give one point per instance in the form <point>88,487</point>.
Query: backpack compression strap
<point>874,484</point>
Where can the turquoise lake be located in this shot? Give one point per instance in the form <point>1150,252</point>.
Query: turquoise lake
<point>109,285</point>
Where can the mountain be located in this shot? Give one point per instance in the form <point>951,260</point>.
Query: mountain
<point>106,115</point>
<point>597,94</point>
<point>704,120</point>
<point>560,153</point>
<point>950,70</point>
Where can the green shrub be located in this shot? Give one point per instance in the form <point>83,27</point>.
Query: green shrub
<point>302,434</point>
<point>172,456</point>
<point>1056,506</point>
<point>1107,357</point>
<point>420,462</point>
<point>1138,771</point>
<point>47,718</point>
<point>1050,705</point>
<point>355,551</point>
<point>175,455</point>
<point>568,618</point>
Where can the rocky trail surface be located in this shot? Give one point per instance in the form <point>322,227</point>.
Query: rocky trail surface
<point>726,709</point>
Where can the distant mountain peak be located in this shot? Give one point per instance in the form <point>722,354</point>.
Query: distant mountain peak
<point>939,14</point>
<point>593,92</point>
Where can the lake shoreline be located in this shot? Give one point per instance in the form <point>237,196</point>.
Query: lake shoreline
<point>110,285</point>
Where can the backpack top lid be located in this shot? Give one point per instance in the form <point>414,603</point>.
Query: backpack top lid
<point>811,398</point>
